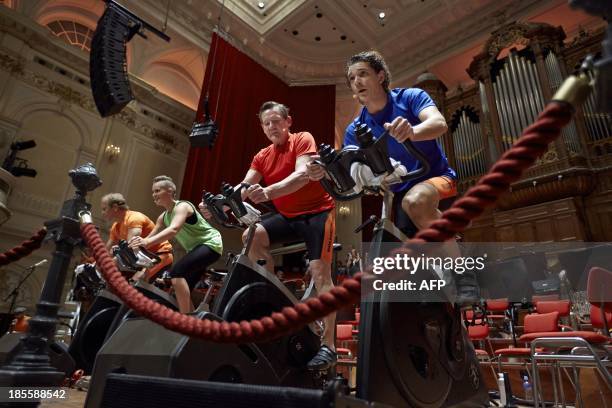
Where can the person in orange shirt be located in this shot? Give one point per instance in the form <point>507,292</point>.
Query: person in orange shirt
<point>20,321</point>
<point>305,210</point>
<point>128,224</point>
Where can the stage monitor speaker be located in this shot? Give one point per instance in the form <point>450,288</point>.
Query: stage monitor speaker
<point>59,357</point>
<point>129,391</point>
<point>110,83</point>
<point>93,329</point>
<point>152,292</point>
<point>406,358</point>
<point>142,347</point>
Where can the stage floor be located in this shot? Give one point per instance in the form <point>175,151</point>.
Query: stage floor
<point>76,399</point>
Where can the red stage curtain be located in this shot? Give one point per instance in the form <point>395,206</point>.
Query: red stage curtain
<point>238,87</point>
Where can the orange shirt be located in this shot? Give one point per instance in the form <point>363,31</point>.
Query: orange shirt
<point>277,163</point>
<point>135,219</point>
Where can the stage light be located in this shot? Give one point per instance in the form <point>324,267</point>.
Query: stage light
<point>23,171</point>
<point>204,134</point>
<point>16,166</point>
<point>28,144</point>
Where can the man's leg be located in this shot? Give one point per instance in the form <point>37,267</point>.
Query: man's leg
<point>318,232</point>
<point>321,273</point>
<point>260,247</point>
<point>421,205</point>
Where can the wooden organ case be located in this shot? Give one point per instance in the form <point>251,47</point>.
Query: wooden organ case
<point>567,194</point>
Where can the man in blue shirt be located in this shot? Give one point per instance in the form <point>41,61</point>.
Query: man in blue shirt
<point>407,113</point>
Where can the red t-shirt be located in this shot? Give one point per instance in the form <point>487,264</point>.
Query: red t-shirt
<point>277,163</point>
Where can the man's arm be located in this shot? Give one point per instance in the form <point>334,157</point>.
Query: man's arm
<point>432,126</point>
<point>181,212</point>
<point>133,232</point>
<point>294,181</point>
<point>253,177</point>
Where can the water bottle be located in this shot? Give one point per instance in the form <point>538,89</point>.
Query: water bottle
<point>501,383</point>
<point>528,388</point>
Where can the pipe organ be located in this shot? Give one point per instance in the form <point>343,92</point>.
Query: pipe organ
<point>519,69</point>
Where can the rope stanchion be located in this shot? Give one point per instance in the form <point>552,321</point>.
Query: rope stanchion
<point>24,249</point>
<point>532,144</point>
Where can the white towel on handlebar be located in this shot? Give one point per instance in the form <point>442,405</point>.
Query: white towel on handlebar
<point>252,216</point>
<point>364,177</point>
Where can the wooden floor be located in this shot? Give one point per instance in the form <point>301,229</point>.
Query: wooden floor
<point>76,399</point>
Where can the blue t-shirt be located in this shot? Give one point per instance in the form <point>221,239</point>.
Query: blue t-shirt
<point>406,102</point>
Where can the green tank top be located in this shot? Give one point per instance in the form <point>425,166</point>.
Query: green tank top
<point>192,235</point>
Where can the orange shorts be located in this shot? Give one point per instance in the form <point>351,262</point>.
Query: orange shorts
<point>166,260</point>
<point>446,186</point>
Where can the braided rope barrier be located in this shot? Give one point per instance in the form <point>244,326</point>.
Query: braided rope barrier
<point>24,249</point>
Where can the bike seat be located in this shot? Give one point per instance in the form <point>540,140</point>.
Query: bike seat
<point>215,275</point>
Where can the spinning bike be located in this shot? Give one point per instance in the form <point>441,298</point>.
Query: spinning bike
<point>411,353</point>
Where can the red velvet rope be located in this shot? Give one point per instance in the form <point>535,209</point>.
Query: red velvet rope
<point>24,249</point>
<point>508,169</point>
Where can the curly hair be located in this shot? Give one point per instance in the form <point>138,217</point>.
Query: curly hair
<point>376,61</point>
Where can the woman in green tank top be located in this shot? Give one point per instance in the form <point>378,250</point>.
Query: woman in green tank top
<point>182,221</point>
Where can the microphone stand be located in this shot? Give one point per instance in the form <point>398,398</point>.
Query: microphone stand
<point>15,292</point>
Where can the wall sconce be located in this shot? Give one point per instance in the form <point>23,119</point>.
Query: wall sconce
<point>112,152</point>
<point>344,211</point>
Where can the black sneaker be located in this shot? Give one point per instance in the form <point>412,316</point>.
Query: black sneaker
<point>323,360</point>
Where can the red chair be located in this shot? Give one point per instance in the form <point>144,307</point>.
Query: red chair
<point>598,321</point>
<point>586,348</point>
<point>535,324</point>
<point>344,333</point>
<point>480,333</point>
<point>498,307</point>
<point>540,298</point>
<point>547,306</point>
<point>561,306</point>
<point>344,336</point>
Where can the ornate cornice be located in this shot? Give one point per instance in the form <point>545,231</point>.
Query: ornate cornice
<point>541,35</point>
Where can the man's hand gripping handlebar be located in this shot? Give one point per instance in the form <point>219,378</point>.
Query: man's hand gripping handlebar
<point>231,198</point>
<point>373,153</point>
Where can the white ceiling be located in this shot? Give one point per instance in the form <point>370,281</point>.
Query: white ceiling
<point>308,41</point>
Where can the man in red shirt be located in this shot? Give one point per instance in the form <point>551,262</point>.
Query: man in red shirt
<point>305,210</point>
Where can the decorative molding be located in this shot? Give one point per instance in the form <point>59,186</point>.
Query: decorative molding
<point>568,183</point>
<point>33,204</point>
<point>13,65</point>
<point>69,97</point>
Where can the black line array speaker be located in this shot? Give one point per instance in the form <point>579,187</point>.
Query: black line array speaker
<point>108,63</point>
